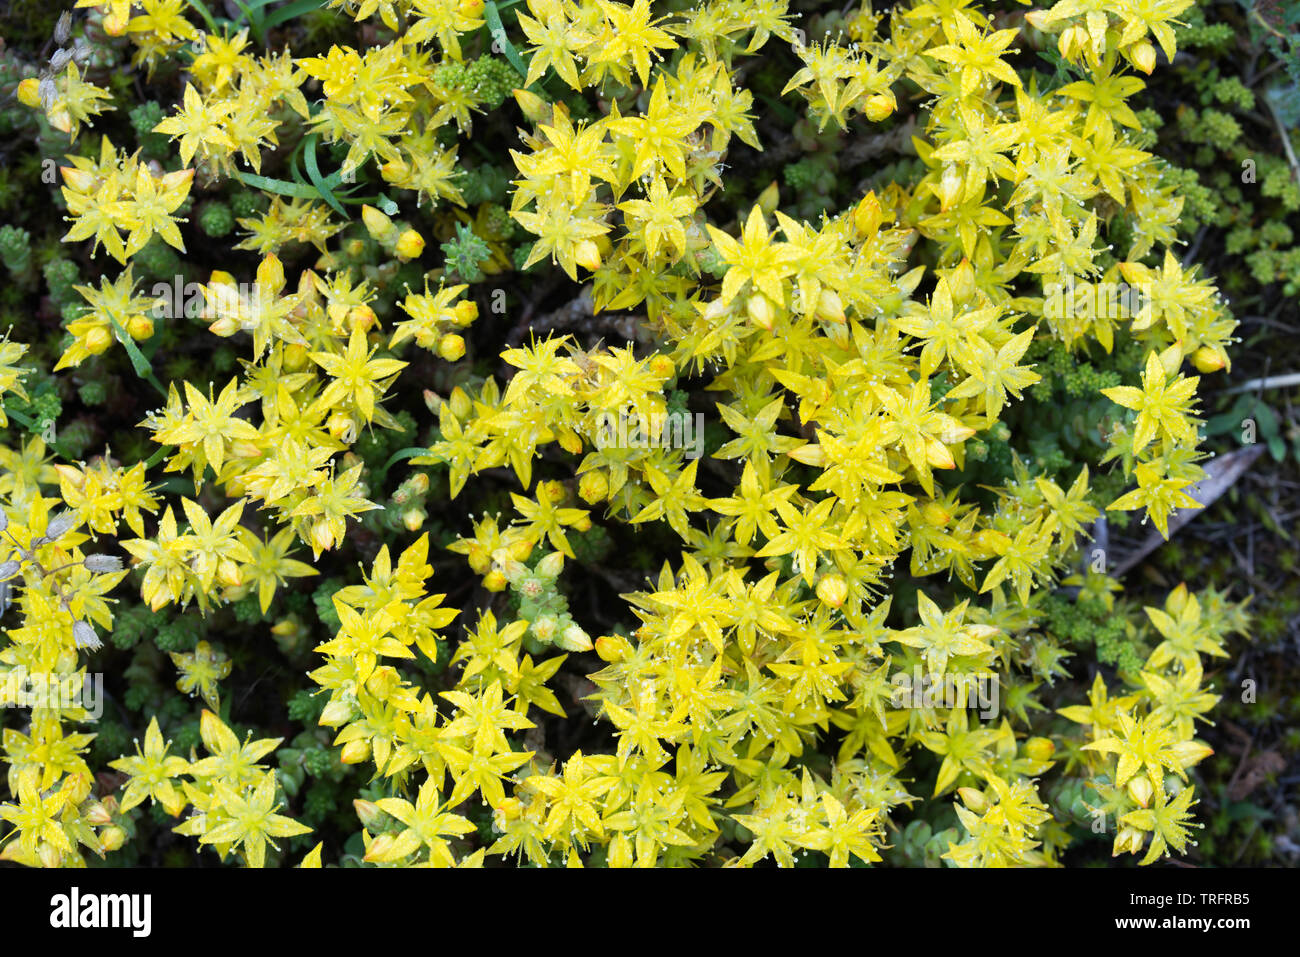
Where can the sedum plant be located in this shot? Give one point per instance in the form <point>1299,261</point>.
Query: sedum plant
<point>832,587</point>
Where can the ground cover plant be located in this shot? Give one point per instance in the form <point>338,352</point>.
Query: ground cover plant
<point>577,433</point>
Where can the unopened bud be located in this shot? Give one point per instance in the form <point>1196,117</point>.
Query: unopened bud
<point>112,838</point>
<point>533,106</point>
<point>1140,789</point>
<point>336,713</point>
<point>98,340</point>
<point>1144,56</point>
<point>587,254</point>
<point>593,486</point>
<point>973,799</point>
<point>760,311</point>
<point>829,306</point>
<point>102,564</point>
<point>1039,749</point>
<point>1129,840</point>
<point>378,225</point>
<point>85,637</point>
<point>451,347</point>
<point>464,312</point>
<point>77,787</point>
<point>544,627</point>
<point>879,106</point>
<point>612,647</point>
<point>368,813</point>
<point>354,752</point>
<point>551,565</point>
<point>833,590</point>
<point>574,638</point>
<point>1207,359</point>
<point>51,857</point>
<point>409,245</point>
<point>29,93</point>
<point>935,514</point>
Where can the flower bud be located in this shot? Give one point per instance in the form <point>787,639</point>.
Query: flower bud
<point>1039,749</point>
<point>950,188</point>
<point>1144,56</point>
<point>464,312</point>
<point>383,682</point>
<point>478,558</point>
<point>385,849</point>
<point>760,311</point>
<point>1071,42</point>
<point>102,564</point>
<point>1208,359</point>
<point>494,581</point>
<point>833,590</point>
<point>378,225</point>
<point>51,857</point>
<point>973,799</point>
<point>112,838</point>
<point>612,647</point>
<point>867,215</point>
<point>879,106</point>
<point>587,253</point>
<point>533,106</point>
<point>98,815</point>
<point>409,245</point>
<point>508,810</point>
<point>451,347</point>
<point>938,456</point>
<point>368,813</point>
<point>1187,753</point>
<point>85,637</point>
<point>295,357</point>
<point>570,441</point>
<point>77,787</point>
<point>1128,840</point>
<point>139,327</point>
<point>413,519</point>
<point>551,565</point>
<point>354,752</point>
<point>337,712</point>
<point>544,627</point>
<point>932,513</point>
<point>829,306</point>
<point>115,23</point>
<point>29,93</point>
<point>98,340</point>
<point>60,525</point>
<point>961,281</point>
<point>593,486</point>
<point>573,638</point>
<point>1140,789</point>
